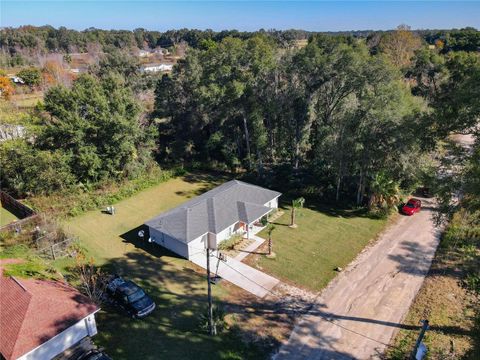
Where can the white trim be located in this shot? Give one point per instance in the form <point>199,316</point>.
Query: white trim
<point>60,333</point>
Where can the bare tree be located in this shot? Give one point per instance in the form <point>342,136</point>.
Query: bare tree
<point>92,280</point>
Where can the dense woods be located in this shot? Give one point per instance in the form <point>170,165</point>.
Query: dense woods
<point>348,117</point>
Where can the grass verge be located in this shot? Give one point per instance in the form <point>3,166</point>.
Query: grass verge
<point>449,298</point>
<point>325,238</point>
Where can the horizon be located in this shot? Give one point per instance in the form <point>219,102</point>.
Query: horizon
<point>314,16</point>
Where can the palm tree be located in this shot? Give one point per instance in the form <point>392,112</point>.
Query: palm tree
<point>296,204</point>
<point>384,191</point>
<point>271,228</point>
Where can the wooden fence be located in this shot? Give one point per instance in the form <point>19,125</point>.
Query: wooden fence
<point>20,210</point>
<point>18,225</point>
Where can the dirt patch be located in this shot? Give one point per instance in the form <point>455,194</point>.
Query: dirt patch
<point>267,322</point>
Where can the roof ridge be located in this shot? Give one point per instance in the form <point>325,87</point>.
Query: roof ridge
<point>187,210</point>
<point>211,214</point>
<point>20,284</point>
<point>22,325</point>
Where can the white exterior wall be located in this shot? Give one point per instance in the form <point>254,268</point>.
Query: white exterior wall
<point>226,233</point>
<point>172,244</point>
<point>272,203</point>
<point>197,245</point>
<point>64,340</point>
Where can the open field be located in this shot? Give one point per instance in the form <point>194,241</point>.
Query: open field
<point>27,101</point>
<point>6,217</point>
<point>324,239</point>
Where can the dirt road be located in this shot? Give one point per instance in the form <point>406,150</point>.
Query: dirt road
<point>357,314</point>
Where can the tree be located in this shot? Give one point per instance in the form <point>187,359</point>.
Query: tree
<point>457,108</point>
<point>214,100</point>
<point>429,71</point>
<point>27,170</point>
<point>400,45</point>
<point>92,281</point>
<point>6,88</point>
<point>384,192</point>
<point>296,204</point>
<point>96,122</point>
<point>32,76</point>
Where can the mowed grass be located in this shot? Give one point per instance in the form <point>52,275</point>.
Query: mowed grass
<point>172,330</point>
<point>6,217</point>
<point>324,239</point>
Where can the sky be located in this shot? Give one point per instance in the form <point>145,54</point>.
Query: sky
<point>241,15</point>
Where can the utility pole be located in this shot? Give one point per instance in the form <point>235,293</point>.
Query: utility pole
<point>413,356</point>
<point>211,327</point>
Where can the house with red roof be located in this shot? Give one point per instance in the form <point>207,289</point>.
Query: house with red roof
<point>40,319</point>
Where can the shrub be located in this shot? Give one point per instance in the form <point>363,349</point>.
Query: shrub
<point>218,319</point>
<point>230,243</point>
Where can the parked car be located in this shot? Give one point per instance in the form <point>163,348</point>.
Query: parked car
<point>411,207</point>
<point>130,297</point>
<point>94,355</point>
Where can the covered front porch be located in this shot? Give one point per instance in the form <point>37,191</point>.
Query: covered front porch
<point>254,227</point>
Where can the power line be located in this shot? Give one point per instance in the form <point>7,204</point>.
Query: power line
<point>278,296</point>
<point>313,302</point>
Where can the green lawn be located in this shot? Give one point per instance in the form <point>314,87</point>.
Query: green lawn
<point>6,217</point>
<point>171,332</point>
<point>324,239</point>
<point>305,256</point>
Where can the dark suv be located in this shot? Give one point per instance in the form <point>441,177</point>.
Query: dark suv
<point>94,355</point>
<point>131,297</point>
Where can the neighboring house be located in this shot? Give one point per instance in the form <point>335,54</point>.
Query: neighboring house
<point>232,208</point>
<point>40,319</point>
<point>161,51</point>
<point>153,68</point>
<point>144,53</point>
<point>79,70</point>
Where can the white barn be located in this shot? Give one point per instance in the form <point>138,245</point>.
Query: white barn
<point>232,208</point>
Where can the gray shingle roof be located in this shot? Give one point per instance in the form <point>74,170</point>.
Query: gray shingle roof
<point>215,210</point>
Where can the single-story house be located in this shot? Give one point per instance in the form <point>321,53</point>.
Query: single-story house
<point>234,207</point>
<point>143,53</point>
<point>153,68</point>
<point>40,319</point>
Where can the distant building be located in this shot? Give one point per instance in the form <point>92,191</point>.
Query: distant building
<point>144,53</point>
<point>40,319</point>
<point>153,68</point>
<point>161,51</point>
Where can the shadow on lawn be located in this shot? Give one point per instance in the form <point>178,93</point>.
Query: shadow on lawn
<point>173,329</point>
<point>208,181</point>
<point>154,250</point>
<point>179,289</point>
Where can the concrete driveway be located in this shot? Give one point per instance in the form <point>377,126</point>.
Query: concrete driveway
<point>238,273</point>
<point>358,313</point>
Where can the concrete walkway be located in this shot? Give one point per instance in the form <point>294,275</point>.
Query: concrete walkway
<point>240,274</point>
<point>358,313</point>
<point>250,248</point>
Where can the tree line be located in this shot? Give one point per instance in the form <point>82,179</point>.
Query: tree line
<point>359,124</point>
<point>338,118</point>
<point>15,43</point>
